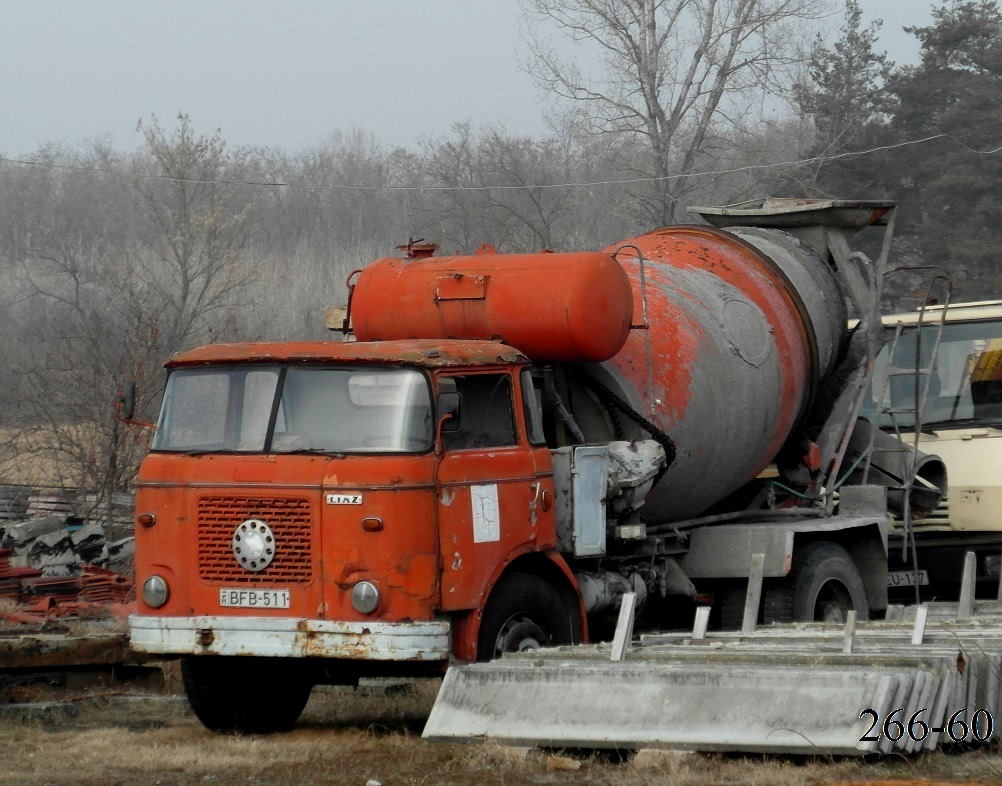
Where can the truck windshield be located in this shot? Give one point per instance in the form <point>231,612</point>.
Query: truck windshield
<point>279,409</point>
<point>965,387</point>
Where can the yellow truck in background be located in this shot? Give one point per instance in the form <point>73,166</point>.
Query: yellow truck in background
<point>961,422</point>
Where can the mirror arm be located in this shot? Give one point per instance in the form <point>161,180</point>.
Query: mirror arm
<point>439,447</point>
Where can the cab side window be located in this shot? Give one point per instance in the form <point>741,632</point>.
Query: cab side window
<point>532,402</point>
<point>486,415</point>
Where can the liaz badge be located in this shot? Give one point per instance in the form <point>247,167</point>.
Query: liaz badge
<point>344,499</point>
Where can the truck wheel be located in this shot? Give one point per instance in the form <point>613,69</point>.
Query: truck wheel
<point>823,585</point>
<point>730,599</point>
<point>252,695</point>
<point>525,612</point>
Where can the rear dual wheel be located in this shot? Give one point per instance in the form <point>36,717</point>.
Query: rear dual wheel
<point>823,585</point>
<point>251,695</point>
<point>729,597</point>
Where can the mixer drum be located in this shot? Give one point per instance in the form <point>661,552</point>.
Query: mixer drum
<point>744,325</point>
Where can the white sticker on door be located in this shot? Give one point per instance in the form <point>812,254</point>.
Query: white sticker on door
<point>486,514</point>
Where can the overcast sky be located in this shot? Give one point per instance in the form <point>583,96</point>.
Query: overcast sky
<point>283,74</point>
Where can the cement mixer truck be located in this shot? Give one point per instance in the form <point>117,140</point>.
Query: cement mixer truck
<point>508,445</point>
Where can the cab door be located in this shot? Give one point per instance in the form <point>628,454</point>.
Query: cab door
<point>487,486</point>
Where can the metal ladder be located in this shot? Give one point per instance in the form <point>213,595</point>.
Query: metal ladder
<point>922,376</point>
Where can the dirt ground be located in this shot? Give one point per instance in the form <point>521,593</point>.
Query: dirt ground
<point>86,729</point>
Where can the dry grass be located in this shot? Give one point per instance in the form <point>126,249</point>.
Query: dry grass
<point>9,606</point>
<point>32,459</point>
<point>351,737</point>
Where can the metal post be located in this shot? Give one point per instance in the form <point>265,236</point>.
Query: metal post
<point>967,586</point>
<point>624,626</point>
<point>999,594</point>
<point>918,632</point>
<point>850,632</point>
<point>702,620</point>
<point>754,594</point>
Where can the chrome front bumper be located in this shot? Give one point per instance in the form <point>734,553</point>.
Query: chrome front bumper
<point>291,638</point>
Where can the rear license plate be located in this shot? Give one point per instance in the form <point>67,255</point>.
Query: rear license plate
<point>254,599</point>
<point>906,578</point>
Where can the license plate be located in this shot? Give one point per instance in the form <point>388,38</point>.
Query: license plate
<point>906,578</point>
<point>254,599</point>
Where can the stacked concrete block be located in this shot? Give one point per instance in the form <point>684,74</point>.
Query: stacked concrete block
<point>89,544</point>
<point>53,554</point>
<point>19,535</point>
<point>120,555</point>
<point>114,512</point>
<point>59,532</point>
<point>42,503</point>
<point>884,687</point>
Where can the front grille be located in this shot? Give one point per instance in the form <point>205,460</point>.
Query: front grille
<point>290,521</point>
<point>936,520</point>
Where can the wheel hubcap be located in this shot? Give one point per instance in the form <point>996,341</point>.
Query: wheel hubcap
<point>520,634</point>
<point>833,604</point>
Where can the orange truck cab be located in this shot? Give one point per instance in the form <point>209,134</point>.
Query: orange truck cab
<point>326,507</point>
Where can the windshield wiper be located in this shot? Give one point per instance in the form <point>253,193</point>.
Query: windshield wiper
<point>961,423</point>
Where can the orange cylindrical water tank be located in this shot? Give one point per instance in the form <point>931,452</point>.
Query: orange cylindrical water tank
<point>572,307</point>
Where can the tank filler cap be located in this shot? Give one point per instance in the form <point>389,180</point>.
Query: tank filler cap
<point>418,249</point>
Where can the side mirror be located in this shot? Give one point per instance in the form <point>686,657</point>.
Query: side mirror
<point>127,401</point>
<point>448,408</point>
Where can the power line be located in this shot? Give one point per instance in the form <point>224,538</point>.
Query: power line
<point>580,184</point>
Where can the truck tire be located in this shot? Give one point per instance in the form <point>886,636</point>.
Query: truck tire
<point>730,601</point>
<point>251,695</point>
<point>526,612</point>
<point>823,585</point>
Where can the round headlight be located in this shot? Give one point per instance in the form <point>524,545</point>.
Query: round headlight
<point>155,591</point>
<point>365,597</point>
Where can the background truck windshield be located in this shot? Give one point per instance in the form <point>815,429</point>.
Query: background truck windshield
<point>966,384</point>
<point>318,409</point>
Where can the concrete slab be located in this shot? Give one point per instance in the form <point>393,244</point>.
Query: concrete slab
<point>25,532</point>
<point>728,691</point>
<point>627,706</point>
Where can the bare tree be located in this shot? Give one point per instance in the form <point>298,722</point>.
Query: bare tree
<point>528,168</point>
<point>674,75</point>
<point>334,194</point>
<point>68,253</point>
<point>199,227</point>
<point>455,211</point>
<point>488,186</point>
<point>111,279</point>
